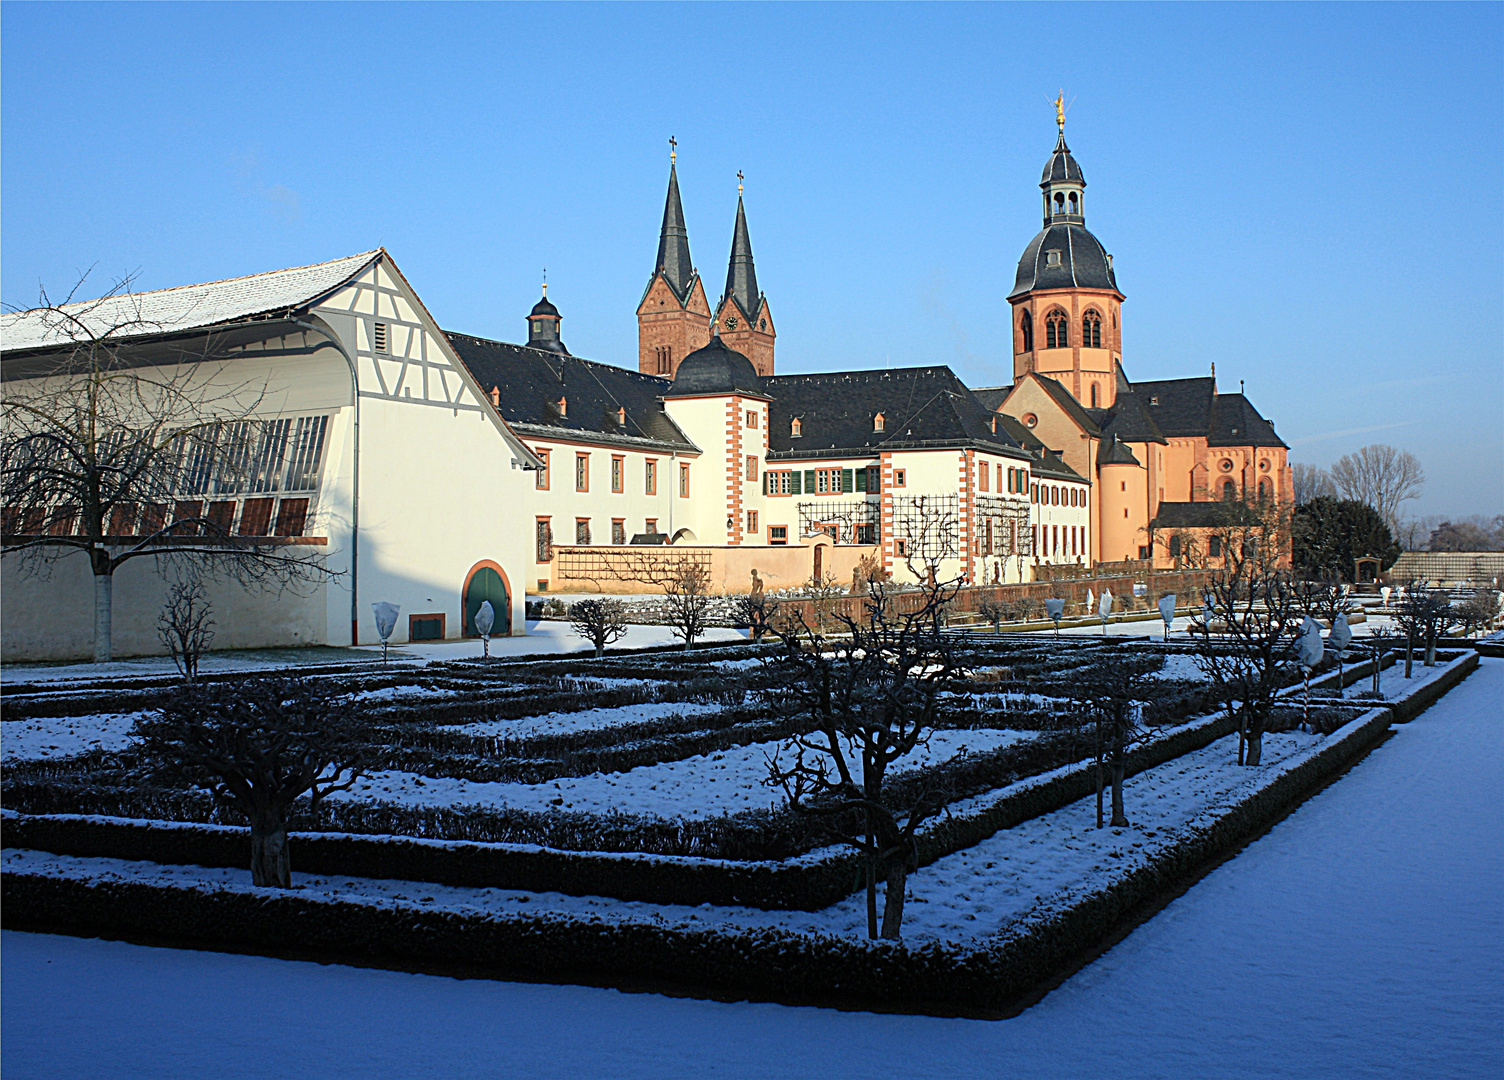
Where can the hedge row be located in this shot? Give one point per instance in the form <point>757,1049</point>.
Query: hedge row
<point>770,964</point>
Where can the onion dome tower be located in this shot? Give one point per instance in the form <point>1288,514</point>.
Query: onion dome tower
<point>543,326</point>
<point>1067,308</point>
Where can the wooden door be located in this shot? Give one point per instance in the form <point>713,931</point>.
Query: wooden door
<point>486,584</point>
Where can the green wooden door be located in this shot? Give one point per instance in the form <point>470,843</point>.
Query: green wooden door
<point>486,584</point>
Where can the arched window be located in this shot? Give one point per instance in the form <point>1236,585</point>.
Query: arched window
<point>1229,491</point>
<point>1075,203</point>
<point>1263,491</point>
<point>1091,330</point>
<point>1057,332</point>
<point>1094,395</point>
<point>1026,324</point>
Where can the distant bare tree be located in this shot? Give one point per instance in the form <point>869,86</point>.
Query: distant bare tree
<point>186,625</point>
<point>103,454</point>
<point>1479,612</point>
<point>870,694</point>
<point>1310,482</point>
<point>687,593</point>
<point>1474,534</point>
<point>1380,476</point>
<point>258,746</point>
<point>1113,687</point>
<point>1424,615</point>
<point>600,622</point>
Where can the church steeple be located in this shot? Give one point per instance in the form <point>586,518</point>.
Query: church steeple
<point>674,262</point>
<point>742,315</point>
<point>673,316</point>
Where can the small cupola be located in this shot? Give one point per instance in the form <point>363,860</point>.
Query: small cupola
<point>543,326</point>
<point>1064,187</point>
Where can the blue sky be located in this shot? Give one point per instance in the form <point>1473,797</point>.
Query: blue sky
<point>1307,195</point>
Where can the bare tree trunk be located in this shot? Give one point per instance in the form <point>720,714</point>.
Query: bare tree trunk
<point>1255,745</point>
<point>871,854</point>
<point>271,864</point>
<point>1099,772</point>
<point>104,588</point>
<point>1242,737</point>
<point>1118,817</point>
<point>898,877</point>
<point>1409,650</point>
<point>600,651</point>
<point>1430,652</point>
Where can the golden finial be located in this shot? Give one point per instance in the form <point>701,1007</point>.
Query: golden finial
<point>545,283</point>
<point>673,150</point>
<point>739,179</point>
<point>1060,111</point>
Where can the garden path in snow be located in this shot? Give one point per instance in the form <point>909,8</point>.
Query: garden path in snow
<point>49,737</point>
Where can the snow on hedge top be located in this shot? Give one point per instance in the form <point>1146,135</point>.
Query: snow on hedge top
<point>185,307</point>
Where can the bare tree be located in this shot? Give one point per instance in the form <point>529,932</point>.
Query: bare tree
<point>600,622</point>
<point>1311,482</point>
<point>1468,534</point>
<point>113,455</point>
<point>1246,647</point>
<point>1424,615</point>
<point>687,594</point>
<point>258,746</point>
<point>871,693</point>
<point>186,625</point>
<point>1479,612</point>
<point>1380,476</point>
<point>1112,687</point>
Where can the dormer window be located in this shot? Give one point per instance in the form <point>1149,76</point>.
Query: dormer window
<point>621,417</point>
<point>1052,257</point>
<point>795,428</point>
<point>563,406</point>
<point>1154,400</point>
<point>878,422</point>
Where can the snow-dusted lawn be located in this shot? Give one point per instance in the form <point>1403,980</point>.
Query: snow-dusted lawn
<point>726,782</point>
<point>64,736</point>
<point>560,723</point>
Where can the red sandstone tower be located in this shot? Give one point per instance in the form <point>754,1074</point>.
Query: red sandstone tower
<point>673,319</point>
<point>742,317</point>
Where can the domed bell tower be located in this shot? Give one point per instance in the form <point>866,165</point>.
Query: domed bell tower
<point>1067,308</point>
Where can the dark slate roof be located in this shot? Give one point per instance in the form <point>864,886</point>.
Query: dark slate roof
<point>1046,462</point>
<point>531,381</point>
<point>715,369</point>
<point>1186,407</point>
<point>990,397</point>
<point>1199,515</point>
<point>1084,263</point>
<point>544,307</point>
<point>1128,421</point>
<point>741,275</point>
<point>921,407</point>
<point>673,243</point>
<point>1117,453</point>
<point>1061,166</point>
<point>1068,402</point>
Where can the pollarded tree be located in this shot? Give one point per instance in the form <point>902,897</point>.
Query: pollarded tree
<point>600,622</point>
<point>1113,687</point>
<point>1424,615</point>
<point>687,596</point>
<point>258,746</point>
<point>108,450</point>
<point>868,694</point>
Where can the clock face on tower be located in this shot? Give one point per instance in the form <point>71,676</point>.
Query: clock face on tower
<point>731,323</point>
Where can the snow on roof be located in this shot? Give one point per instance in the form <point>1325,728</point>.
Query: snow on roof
<point>186,307</point>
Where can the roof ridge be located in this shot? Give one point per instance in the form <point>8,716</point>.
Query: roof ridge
<point>560,357</point>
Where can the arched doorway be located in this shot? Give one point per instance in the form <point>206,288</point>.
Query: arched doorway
<point>487,581</point>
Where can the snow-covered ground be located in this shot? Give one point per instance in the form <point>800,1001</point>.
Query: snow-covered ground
<point>63,736</point>
<point>559,723</point>
<point>725,782</point>
<point>1348,942</point>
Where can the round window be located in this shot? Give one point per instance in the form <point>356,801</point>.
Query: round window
<point>1264,466</point>
<point>1227,464</point>
<point>1030,419</point>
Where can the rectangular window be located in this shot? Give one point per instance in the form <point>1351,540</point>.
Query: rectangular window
<point>618,473</point>
<point>683,481</point>
<point>751,473</point>
<point>751,418</point>
<point>1034,493</point>
<point>650,526</point>
<point>185,511</point>
<point>751,521</point>
<point>543,534</point>
<point>221,516</point>
<point>618,531</point>
<point>987,545</point>
<point>983,472</point>
<point>778,534</point>
<point>874,479</point>
<point>898,477</point>
<point>865,534</point>
<point>582,530</point>
<point>1000,478</point>
<point>541,480</point>
<point>256,517</point>
<point>378,337</point>
<point>901,547</point>
<point>292,517</point>
<point>425,627</point>
<point>1034,540</point>
<point>652,476</point>
<point>582,472</point>
<point>1214,547</point>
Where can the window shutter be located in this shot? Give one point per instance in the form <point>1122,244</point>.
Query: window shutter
<point>845,481</point>
<point>861,479</point>
<point>809,481</point>
<point>794,488</point>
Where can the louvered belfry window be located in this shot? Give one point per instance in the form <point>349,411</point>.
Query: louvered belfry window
<point>378,337</point>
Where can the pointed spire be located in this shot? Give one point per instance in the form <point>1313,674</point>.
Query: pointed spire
<point>673,241</point>
<point>741,275</point>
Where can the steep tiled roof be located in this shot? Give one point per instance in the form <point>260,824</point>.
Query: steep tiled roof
<point>1084,263</point>
<point>925,406</point>
<point>1117,453</point>
<point>1046,462</point>
<point>531,382</point>
<point>1190,407</point>
<point>1200,515</point>
<point>1128,421</point>
<point>186,307</point>
<point>990,397</point>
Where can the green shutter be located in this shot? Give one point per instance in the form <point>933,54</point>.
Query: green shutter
<point>861,479</point>
<point>809,481</point>
<point>794,483</point>
<point>845,481</point>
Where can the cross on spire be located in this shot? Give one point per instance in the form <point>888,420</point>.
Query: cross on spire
<point>739,179</point>
<point>673,150</point>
